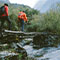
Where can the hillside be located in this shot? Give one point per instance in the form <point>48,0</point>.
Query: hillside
<point>47,6</point>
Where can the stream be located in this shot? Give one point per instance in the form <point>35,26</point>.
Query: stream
<point>43,53</point>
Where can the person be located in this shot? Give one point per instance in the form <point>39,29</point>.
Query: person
<point>21,19</point>
<point>5,17</point>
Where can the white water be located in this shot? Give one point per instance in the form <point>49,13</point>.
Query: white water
<point>50,53</point>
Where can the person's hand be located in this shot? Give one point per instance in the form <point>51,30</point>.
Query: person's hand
<point>7,17</point>
<point>26,21</point>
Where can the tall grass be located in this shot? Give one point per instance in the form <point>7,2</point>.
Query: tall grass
<point>49,21</point>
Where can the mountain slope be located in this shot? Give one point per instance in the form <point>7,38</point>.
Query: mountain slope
<point>39,5</point>
<point>47,6</point>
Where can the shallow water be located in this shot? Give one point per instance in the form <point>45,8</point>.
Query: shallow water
<point>50,53</point>
<point>45,53</point>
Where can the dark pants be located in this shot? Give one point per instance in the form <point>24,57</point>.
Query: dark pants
<point>3,19</point>
<point>22,24</point>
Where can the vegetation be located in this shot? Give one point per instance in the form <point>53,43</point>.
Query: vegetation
<point>13,13</point>
<point>49,21</point>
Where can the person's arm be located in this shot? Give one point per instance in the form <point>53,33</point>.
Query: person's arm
<point>25,17</point>
<point>6,10</point>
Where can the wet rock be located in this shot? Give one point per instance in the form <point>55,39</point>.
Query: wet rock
<point>14,57</point>
<point>26,41</point>
<point>45,59</point>
<point>4,47</point>
<point>45,40</point>
<point>8,55</point>
<point>21,50</point>
<point>30,58</point>
<point>39,40</point>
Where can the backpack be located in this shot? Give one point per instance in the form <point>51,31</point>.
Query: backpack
<point>2,10</point>
<point>20,15</point>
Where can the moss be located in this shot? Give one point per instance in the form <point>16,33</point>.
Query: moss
<point>20,56</point>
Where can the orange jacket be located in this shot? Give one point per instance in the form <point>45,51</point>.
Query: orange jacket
<point>6,11</point>
<point>22,15</point>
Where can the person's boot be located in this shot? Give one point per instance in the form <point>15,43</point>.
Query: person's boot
<point>1,32</point>
<point>10,27</point>
<point>1,29</point>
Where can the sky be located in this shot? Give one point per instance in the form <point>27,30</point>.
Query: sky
<point>30,3</point>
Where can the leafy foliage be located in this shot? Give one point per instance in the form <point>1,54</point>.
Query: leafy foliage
<point>49,21</point>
